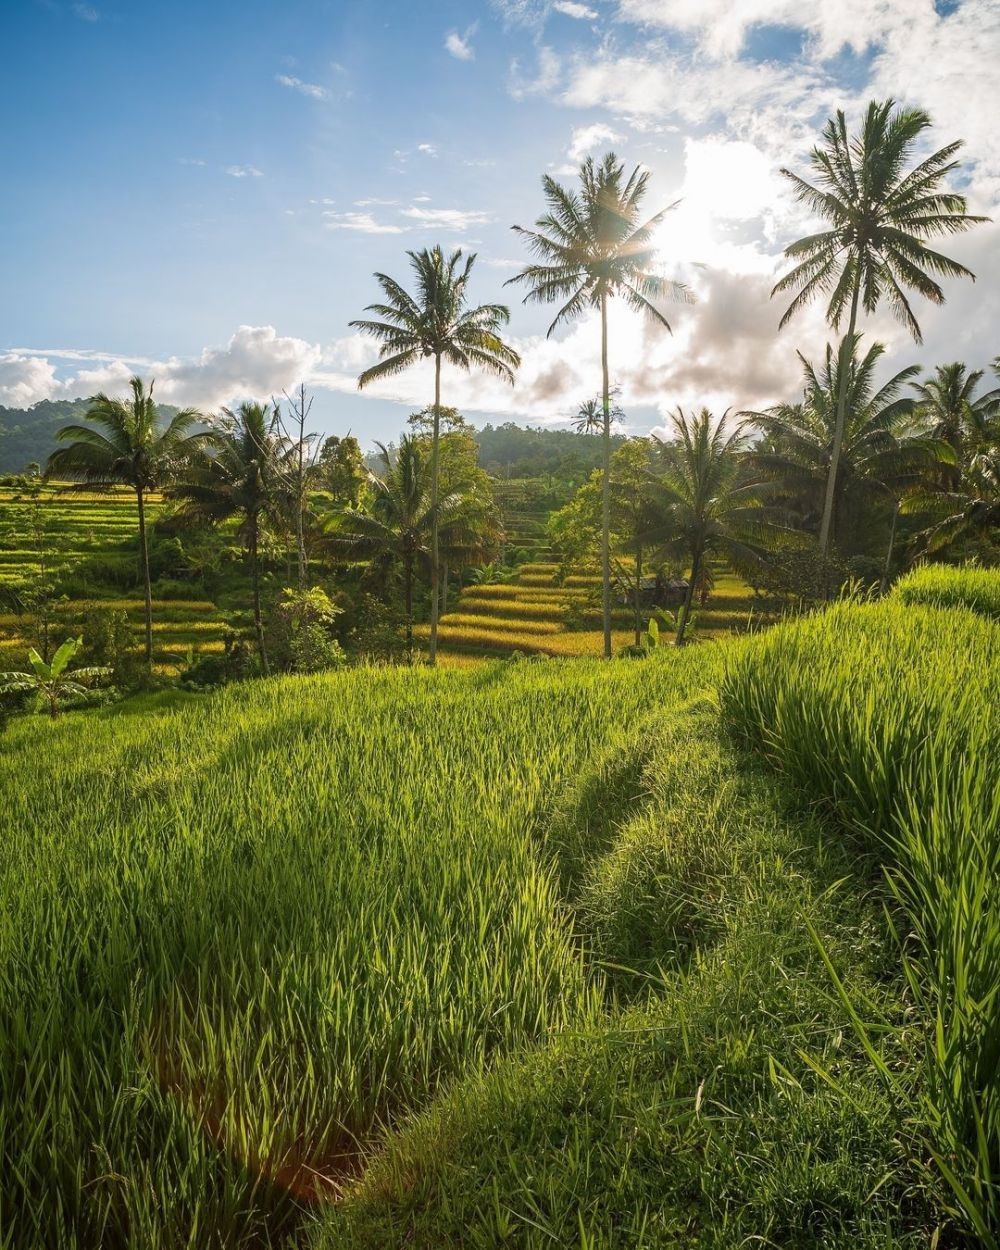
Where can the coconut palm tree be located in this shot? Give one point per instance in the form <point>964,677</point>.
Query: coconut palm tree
<point>712,506</point>
<point>129,447</point>
<point>881,213</point>
<point>247,479</point>
<point>397,528</point>
<point>437,323</point>
<point>949,405</point>
<point>969,514</point>
<point>883,450</point>
<point>592,246</point>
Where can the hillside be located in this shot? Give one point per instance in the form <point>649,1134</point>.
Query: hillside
<point>28,435</point>
<point>599,976</point>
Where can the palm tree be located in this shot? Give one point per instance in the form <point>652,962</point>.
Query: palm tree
<point>953,412</point>
<point>246,478</point>
<point>881,215</point>
<point>712,506</point>
<point>882,448</point>
<point>437,323</point>
<point>129,448</point>
<point>970,513</point>
<point>396,530</point>
<point>592,245</point>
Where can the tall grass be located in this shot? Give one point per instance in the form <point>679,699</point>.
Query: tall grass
<point>237,938</point>
<point>947,587</point>
<point>889,714</point>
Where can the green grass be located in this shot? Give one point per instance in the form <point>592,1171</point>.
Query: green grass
<point>889,715</point>
<point>685,1114</point>
<point>239,936</point>
<point>947,587</point>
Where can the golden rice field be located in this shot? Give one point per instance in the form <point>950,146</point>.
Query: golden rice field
<point>63,529</point>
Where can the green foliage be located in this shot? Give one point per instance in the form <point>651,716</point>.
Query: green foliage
<point>110,645</point>
<point>302,632</point>
<point>51,684</point>
<point>887,714</point>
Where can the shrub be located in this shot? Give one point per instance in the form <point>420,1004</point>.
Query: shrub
<point>302,632</point>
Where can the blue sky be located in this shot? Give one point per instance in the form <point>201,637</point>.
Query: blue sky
<point>202,191</point>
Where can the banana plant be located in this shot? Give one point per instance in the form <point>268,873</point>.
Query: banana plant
<point>50,683</point>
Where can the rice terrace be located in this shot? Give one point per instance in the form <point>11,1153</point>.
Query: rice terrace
<point>500,625</point>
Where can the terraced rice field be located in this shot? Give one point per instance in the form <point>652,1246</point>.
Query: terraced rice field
<point>539,614</point>
<point>64,530</point>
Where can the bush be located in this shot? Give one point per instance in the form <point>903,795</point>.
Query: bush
<point>237,662</point>
<point>302,632</point>
<point>110,644</point>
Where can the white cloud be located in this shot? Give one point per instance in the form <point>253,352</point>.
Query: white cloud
<point>549,68</point>
<point>311,89</point>
<point>585,139</point>
<point>570,8</point>
<point>364,223</point>
<point>460,46</point>
<point>447,218</point>
<point>243,171</point>
<point>24,380</point>
<point>427,149</point>
<point>86,12</point>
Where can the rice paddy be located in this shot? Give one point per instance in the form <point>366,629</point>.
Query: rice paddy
<point>87,536</point>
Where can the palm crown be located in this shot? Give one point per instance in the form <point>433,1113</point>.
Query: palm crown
<point>954,412</point>
<point>881,216</point>
<point>437,321</point>
<point>129,446</point>
<point>593,244</point>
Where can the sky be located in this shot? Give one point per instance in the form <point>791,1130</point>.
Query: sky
<point>201,193</point>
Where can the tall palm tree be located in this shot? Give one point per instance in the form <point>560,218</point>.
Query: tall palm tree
<point>592,245</point>
<point>396,529</point>
<point>437,323</point>
<point>881,213</point>
<point>129,447</point>
<point>883,451</point>
<point>712,506</point>
<point>968,514</point>
<point>247,479</point>
<point>953,412</point>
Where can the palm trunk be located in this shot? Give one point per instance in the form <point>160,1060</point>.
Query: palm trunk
<point>689,597</point>
<point>605,484</point>
<point>846,355</point>
<point>892,541</point>
<point>146,585</point>
<point>408,592</point>
<point>301,492</point>
<point>255,583</point>
<point>435,605</point>
<point>444,588</point>
<point>638,595</point>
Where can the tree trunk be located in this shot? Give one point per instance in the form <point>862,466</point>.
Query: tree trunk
<point>300,493</point>
<point>146,586</point>
<point>846,356</point>
<point>258,620</point>
<point>638,595</point>
<point>408,591</point>
<point>888,555</point>
<point>688,597</point>
<point>444,588</point>
<point>435,605</point>
<point>605,484</point>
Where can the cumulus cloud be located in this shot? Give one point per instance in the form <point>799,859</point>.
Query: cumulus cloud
<point>311,89</point>
<point>586,139</point>
<point>24,380</point>
<point>427,149</point>
<point>460,46</point>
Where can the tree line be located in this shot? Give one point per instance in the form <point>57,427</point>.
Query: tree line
<point>816,478</point>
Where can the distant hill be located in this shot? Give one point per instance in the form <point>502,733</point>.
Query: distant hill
<point>28,435</point>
